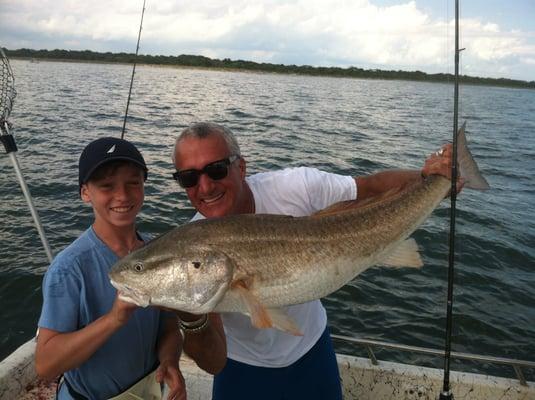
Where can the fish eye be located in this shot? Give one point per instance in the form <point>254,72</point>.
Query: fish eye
<point>196,264</point>
<point>138,267</point>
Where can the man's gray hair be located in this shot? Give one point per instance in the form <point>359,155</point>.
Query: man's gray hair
<point>201,130</point>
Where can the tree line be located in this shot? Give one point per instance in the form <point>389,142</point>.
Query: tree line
<point>227,63</point>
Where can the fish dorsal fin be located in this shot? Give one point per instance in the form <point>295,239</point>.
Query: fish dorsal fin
<point>404,255</point>
<point>262,317</point>
<point>350,205</point>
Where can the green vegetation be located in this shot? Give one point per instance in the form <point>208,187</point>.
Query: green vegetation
<point>205,62</point>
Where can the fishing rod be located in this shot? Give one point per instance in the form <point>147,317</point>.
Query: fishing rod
<point>7,99</point>
<point>446,393</point>
<point>133,71</point>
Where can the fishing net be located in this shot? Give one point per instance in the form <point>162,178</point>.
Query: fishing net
<point>7,90</point>
<point>7,98</point>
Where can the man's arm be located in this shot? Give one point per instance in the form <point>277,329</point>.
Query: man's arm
<point>395,180</point>
<point>376,184</point>
<point>208,346</point>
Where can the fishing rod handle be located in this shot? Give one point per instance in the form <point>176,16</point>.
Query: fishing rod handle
<point>9,143</point>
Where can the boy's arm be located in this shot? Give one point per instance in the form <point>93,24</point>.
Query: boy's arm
<point>57,352</point>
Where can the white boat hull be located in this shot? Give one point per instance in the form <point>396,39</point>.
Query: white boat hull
<point>361,380</point>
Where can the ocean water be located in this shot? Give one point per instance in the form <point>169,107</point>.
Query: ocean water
<point>346,126</point>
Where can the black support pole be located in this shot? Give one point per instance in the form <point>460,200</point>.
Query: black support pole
<point>446,393</point>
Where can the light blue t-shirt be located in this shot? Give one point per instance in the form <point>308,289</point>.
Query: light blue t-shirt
<point>77,291</point>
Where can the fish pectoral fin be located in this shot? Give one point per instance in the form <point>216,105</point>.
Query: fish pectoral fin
<point>404,255</point>
<point>283,322</point>
<point>262,317</point>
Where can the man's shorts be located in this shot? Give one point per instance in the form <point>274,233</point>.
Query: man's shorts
<point>314,376</point>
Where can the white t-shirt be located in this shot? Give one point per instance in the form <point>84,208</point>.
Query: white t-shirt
<point>297,192</point>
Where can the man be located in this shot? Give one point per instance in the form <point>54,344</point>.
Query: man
<point>267,363</point>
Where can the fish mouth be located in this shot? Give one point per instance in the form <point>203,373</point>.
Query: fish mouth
<point>131,295</point>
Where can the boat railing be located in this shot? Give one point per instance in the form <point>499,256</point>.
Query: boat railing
<point>369,344</point>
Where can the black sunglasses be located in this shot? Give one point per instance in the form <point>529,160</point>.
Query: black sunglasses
<point>216,171</point>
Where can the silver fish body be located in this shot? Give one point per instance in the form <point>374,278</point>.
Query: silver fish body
<point>256,264</point>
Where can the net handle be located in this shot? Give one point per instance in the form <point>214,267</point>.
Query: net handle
<point>8,94</point>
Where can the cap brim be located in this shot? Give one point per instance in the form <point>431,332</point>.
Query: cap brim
<point>108,160</point>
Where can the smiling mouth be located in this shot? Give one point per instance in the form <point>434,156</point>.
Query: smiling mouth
<point>213,199</point>
<point>122,210</point>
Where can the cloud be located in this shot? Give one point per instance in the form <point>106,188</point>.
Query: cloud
<point>338,32</point>
<point>315,32</point>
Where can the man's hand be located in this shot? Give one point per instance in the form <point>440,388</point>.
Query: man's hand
<point>439,163</point>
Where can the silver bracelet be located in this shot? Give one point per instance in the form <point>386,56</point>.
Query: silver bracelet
<point>193,326</point>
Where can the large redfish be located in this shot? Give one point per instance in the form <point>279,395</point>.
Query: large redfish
<point>256,264</point>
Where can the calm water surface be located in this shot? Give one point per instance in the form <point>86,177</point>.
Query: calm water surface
<point>346,126</point>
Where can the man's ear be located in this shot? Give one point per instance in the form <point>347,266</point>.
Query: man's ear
<point>243,168</point>
<point>84,194</point>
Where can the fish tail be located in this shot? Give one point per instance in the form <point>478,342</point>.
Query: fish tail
<point>473,179</point>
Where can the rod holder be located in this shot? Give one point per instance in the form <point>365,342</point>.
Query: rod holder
<point>446,395</point>
<point>9,143</point>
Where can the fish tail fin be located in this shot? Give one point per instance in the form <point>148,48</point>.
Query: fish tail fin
<point>473,179</point>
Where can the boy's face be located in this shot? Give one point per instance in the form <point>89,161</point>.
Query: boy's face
<point>116,196</point>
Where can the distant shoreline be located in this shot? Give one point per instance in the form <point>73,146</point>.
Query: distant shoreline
<point>192,61</point>
<point>74,60</point>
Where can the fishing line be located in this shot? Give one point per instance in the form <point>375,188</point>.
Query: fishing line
<point>446,393</point>
<point>133,72</point>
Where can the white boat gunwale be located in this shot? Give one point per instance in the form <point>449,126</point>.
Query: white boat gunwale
<point>515,364</point>
<point>362,378</point>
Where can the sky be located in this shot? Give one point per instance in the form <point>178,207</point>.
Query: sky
<point>498,36</point>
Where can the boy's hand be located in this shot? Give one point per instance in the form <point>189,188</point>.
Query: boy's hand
<point>121,311</point>
<point>169,373</point>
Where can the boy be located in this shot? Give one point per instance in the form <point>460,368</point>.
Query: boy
<point>101,344</point>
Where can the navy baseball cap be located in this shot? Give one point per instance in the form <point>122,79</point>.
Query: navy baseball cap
<point>104,150</point>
